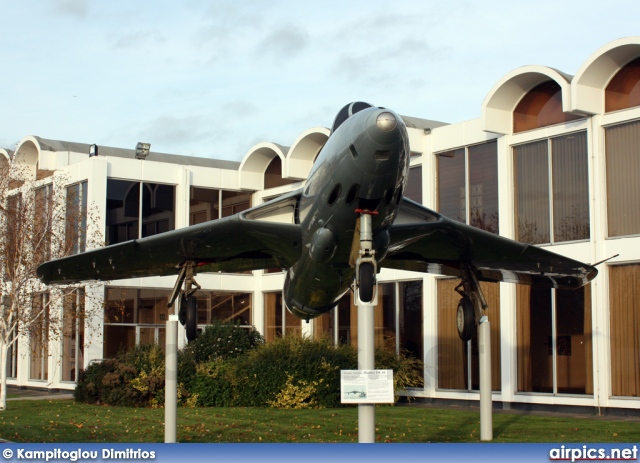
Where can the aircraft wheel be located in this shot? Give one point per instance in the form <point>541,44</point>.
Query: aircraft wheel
<point>367,282</point>
<point>189,309</point>
<point>465,319</point>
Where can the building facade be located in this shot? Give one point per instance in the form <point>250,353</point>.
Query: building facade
<point>553,160</point>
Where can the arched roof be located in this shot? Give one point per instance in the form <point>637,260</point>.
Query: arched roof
<point>498,105</point>
<point>255,163</point>
<point>5,158</point>
<point>304,151</point>
<point>27,154</point>
<point>593,76</point>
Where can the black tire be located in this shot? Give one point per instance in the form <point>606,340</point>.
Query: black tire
<point>189,308</point>
<point>465,319</point>
<point>366,282</point>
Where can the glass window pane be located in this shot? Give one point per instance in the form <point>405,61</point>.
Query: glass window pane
<point>414,184</point>
<point>410,319</point>
<point>158,208</point>
<point>118,338</point>
<point>452,364</point>
<point>272,316</point>
<point>234,202</point>
<point>574,355</point>
<point>452,194</point>
<point>123,208</point>
<point>532,192</point>
<point>385,316</point>
<point>570,187</point>
<point>534,337</point>
<point>204,205</point>
<point>622,145</point>
<point>624,308</point>
<point>483,186</point>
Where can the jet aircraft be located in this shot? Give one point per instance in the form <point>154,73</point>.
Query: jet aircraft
<point>354,189</point>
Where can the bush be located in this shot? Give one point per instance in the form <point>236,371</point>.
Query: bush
<point>305,368</point>
<point>223,341</point>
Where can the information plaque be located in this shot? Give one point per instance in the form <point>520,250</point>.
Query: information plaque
<point>366,386</point>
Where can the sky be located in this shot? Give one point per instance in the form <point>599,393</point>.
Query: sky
<point>212,78</point>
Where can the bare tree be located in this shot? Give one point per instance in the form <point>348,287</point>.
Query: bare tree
<point>42,217</point>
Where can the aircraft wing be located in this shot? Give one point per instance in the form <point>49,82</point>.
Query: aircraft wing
<point>423,240</point>
<point>261,237</point>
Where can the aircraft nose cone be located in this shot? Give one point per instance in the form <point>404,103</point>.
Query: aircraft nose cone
<point>386,122</point>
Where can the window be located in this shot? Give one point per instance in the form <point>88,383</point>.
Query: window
<point>414,184</point>
<point>139,316</point>
<point>209,204</point>
<point>552,190</point>
<point>623,90</point>
<point>622,146</point>
<point>42,223</point>
<point>76,218</point>
<point>126,220</point>
<point>554,348</point>
<point>624,313</point>
<point>541,107</point>
<point>12,354</point>
<point>73,335</point>
<point>459,362</point>
<point>39,337</point>
<point>279,321</point>
<point>225,307</point>
<point>468,185</point>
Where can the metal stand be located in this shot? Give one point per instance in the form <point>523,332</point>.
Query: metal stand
<point>185,276</point>
<point>366,348</point>
<point>470,288</point>
<point>171,381</point>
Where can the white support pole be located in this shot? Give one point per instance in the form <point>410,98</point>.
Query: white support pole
<point>366,346</point>
<point>486,406</point>
<point>366,361</point>
<point>171,382</point>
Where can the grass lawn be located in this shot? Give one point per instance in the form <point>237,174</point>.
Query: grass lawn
<point>67,421</point>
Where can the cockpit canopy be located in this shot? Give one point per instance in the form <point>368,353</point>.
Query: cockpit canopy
<point>347,111</point>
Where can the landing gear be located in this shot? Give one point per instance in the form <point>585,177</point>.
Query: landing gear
<point>366,264</point>
<point>367,281</point>
<point>471,306</point>
<point>465,319</point>
<point>188,315</point>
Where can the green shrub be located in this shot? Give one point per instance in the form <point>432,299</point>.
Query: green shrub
<point>213,385</point>
<point>293,364</point>
<point>223,340</point>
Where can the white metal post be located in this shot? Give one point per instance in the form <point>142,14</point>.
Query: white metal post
<point>171,382</point>
<point>486,406</point>
<point>366,347</point>
<point>366,361</point>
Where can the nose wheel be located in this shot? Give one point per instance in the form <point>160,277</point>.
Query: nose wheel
<point>366,265</point>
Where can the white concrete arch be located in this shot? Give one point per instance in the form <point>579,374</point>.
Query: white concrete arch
<point>589,83</point>
<point>304,151</point>
<point>498,105</point>
<point>5,159</point>
<point>255,163</point>
<point>27,156</point>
